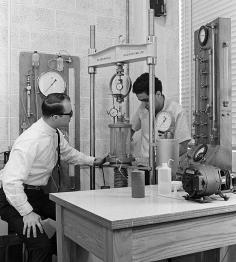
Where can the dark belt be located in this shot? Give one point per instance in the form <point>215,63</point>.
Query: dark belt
<point>32,187</point>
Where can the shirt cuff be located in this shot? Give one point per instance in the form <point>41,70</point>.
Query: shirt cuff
<point>25,209</point>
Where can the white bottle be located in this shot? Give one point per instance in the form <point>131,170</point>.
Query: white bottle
<point>164,179</point>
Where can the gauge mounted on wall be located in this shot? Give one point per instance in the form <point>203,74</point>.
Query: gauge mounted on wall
<point>51,82</point>
<point>203,35</point>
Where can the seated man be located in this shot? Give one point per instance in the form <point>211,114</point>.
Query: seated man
<point>34,154</point>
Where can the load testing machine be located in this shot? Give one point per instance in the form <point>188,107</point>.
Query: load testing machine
<point>120,129</point>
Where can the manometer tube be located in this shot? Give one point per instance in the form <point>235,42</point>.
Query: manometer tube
<point>213,82</point>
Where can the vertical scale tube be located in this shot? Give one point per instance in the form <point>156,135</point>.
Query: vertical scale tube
<point>92,72</point>
<point>214,127</point>
<point>151,65</point>
<point>197,87</point>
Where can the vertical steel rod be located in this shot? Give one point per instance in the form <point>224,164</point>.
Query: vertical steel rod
<point>92,109</point>
<point>151,64</point>
<point>127,109</point>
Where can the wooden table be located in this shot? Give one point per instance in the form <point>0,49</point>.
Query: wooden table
<point>117,228</point>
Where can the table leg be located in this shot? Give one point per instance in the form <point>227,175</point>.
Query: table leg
<point>62,242</point>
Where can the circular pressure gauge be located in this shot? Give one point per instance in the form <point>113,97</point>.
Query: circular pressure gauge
<point>200,152</point>
<point>119,86</point>
<point>203,35</point>
<point>113,112</point>
<point>51,82</point>
<point>164,121</point>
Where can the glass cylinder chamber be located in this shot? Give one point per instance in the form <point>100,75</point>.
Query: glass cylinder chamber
<point>120,135</point>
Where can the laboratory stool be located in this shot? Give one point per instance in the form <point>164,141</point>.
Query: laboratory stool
<point>11,242</point>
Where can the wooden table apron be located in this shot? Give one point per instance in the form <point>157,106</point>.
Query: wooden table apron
<point>145,238</point>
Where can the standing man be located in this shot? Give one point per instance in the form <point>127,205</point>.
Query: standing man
<point>23,203</point>
<point>141,118</point>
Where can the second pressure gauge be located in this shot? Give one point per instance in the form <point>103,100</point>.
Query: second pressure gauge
<point>113,112</point>
<point>164,121</point>
<point>51,82</point>
<point>203,35</point>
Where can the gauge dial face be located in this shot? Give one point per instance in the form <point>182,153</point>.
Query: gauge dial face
<point>200,153</point>
<point>164,121</point>
<point>119,86</point>
<point>51,82</point>
<point>113,112</point>
<point>203,35</point>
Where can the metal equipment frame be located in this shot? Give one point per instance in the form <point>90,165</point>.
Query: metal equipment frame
<point>124,53</point>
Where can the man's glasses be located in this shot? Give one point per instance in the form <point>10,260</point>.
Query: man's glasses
<point>67,114</point>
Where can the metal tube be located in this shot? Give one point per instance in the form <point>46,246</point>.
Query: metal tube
<point>127,111</point>
<point>92,109</point>
<point>151,122</point>
<point>226,74</point>
<point>196,84</point>
<point>150,22</point>
<point>213,79</point>
<point>210,77</point>
<point>151,63</point>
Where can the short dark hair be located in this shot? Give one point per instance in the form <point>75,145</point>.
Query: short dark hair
<point>52,104</point>
<point>141,84</point>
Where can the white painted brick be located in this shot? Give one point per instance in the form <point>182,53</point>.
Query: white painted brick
<point>33,18</point>
<point>84,107</point>
<point>110,26</point>
<point>84,87</point>
<point>43,40</point>
<point>3,14</point>
<point>3,58</point>
<point>3,37</point>
<point>15,53</point>
<point>81,44</point>
<point>55,4</point>
<point>72,22</point>
<point>24,2</point>
<point>3,145</point>
<point>14,83</point>
<point>20,38</point>
<point>84,129</point>
<point>14,105</point>
<point>14,127</point>
<point>85,5</point>
<point>85,146</point>
<point>3,107</point>
<point>101,131</point>
<point>42,18</point>
<point>119,8</point>
<point>105,7</point>
<point>4,128</point>
<point>64,41</point>
<point>21,15</point>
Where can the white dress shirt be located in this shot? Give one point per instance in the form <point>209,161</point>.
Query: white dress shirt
<point>141,121</point>
<point>32,159</point>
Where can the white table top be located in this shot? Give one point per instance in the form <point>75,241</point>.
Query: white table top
<point>116,208</point>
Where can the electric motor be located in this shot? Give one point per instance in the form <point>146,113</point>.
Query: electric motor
<point>204,180</point>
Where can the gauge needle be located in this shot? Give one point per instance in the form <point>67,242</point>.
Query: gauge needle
<point>51,85</point>
<point>164,120</point>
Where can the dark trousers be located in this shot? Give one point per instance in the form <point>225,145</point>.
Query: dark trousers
<point>41,248</point>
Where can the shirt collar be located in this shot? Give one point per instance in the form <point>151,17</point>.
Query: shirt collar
<point>46,127</point>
